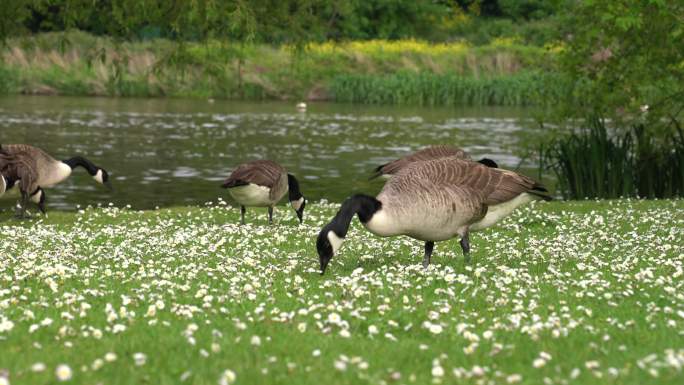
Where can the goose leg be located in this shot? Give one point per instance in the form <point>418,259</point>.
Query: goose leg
<point>429,245</point>
<point>18,210</point>
<point>270,215</point>
<point>21,208</point>
<point>465,245</point>
<point>242,215</point>
<point>41,204</point>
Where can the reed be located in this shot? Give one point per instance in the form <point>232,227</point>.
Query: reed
<point>599,162</point>
<point>8,80</point>
<point>429,89</point>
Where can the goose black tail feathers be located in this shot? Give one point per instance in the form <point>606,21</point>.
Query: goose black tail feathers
<point>540,191</point>
<point>377,172</point>
<point>488,162</point>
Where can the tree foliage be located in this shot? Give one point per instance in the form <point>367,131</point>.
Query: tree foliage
<point>241,20</point>
<point>270,21</point>
<point>626,55</point>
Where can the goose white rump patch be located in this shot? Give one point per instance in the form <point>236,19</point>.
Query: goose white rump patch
<point>3,185</point>
<point>252,195</point>
<point>496,213</point>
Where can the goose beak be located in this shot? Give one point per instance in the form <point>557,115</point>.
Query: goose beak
<point>108,185</point>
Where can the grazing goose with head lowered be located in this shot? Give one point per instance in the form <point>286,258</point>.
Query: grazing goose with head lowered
<point>45,170</point>
<point>50,171</point>
<point>427,153</point>
<point>21,171</point>
<point>433,201</point>
<point>262,183</point>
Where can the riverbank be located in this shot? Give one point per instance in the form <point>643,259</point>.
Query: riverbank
<point>502,72</point>
<point>569,291</point>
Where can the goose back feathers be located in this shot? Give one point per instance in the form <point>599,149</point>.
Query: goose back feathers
<point>428,153</point>
<point>263,183</point>
<point>496,185</point>
<point>425,154</point>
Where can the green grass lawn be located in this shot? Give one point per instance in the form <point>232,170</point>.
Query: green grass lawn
<point>564,292</point>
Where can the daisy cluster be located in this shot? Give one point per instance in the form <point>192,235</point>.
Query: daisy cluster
<point>559,293</point>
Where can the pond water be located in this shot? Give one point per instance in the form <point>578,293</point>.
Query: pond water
<point>171,152</point>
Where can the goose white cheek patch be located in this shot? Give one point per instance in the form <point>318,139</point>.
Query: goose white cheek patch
<point>298,203</point>
<point>98,177</point>
<point>335,241</point>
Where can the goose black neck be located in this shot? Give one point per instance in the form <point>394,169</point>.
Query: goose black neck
<point>77,161</point>
<point>293,188</point>
<point>362,205</point>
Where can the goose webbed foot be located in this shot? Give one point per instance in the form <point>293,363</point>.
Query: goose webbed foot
<point>20,212</point>
<point>429,246</point>
<point>465,246</point>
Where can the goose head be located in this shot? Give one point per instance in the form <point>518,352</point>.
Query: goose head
<point>332,235</point>
<point>101,176</point>
<point>327,244</point>
<point>298,206</point>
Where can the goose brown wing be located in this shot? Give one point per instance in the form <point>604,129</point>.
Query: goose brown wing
<point>18,166</point>
<point>42,160</point>
<point>495,184</point>
<point>406,189</point>
<point>260,172</point>
<point>428,153</point>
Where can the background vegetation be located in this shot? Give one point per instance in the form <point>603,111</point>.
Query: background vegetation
<point>281,50</point>
<point>621,61</point>
<point>501,72</point>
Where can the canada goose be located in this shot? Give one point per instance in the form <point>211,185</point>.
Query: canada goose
<point>433,201</point>
<point>51,171</point>
<point>262,183</point>
<point>45,170</point>
<point>21,171</point>
<point>428,153</point>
